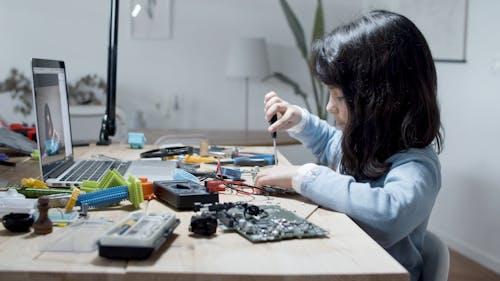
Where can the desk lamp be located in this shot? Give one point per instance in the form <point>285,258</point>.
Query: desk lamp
<point>248,59</point>
<point>108,126</point>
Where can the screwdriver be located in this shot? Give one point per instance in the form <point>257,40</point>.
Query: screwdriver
<point>274,119</point>
<point>249,161</point>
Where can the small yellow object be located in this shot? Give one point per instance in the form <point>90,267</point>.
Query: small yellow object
<point>198,159</point>
<point>31,182</point>
<point>72,200</point>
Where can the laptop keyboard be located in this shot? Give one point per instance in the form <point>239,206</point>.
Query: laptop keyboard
<point>94,170</point>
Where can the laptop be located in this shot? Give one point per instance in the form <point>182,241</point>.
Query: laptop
<point>57,165</point>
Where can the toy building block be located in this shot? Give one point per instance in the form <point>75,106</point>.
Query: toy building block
<point>35,192</point>
<point>110,178</point>
<point>72,200</point>
<point>136,140</point>
<point>135,195</point>
<point>147,189</point>
<point>103,198</point>
<point>35,155</point>
<point>113,195</point>
<point>32,182</point>
<point>111,189</point>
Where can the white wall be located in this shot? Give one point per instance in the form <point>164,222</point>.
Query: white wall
<point>467,211</point>
<point>151,73</point>
<point>191,66</point>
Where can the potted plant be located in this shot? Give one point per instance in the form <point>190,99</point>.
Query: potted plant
<point>19,86</point>
<point>320,93</point>
<point>88,90</point>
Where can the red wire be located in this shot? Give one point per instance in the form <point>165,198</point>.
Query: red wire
<point>219,170</point>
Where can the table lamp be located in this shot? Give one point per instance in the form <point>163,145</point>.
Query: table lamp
<point>248,59</point>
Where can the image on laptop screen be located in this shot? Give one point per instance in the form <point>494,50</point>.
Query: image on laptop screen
<point>58,166</point>
<point>54,137</point>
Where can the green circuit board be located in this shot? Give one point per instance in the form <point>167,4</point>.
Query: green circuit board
<point>267,223</point>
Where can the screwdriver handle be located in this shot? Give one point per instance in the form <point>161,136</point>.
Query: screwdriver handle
<point>250,162</point>
<point>273,119</point>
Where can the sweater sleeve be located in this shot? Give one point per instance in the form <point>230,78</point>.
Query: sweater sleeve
<point>320,137</point>
<point>388,210</point>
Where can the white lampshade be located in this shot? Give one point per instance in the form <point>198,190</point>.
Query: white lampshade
<point>248,58</point>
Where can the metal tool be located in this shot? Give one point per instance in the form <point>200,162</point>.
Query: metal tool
<point>249,161</point>
<point>274,119</point>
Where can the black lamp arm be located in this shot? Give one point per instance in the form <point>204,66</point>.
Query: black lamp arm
<point>108,126</point>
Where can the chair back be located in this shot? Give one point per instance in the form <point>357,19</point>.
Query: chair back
<point>436,258</point>
<point>189,139</point>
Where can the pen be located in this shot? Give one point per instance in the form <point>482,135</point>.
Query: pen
<point>7,163</point>
<point>4,162</point>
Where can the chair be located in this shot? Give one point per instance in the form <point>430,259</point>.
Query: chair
<point>86,123</point>
<point>436,258</point>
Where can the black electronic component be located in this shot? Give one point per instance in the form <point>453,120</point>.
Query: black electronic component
<point>16,222</point>
<point>276,190</point>
<point>261,223</point>
<point>167,151</point>
<point>204,224</point>
<point>253,210</point>
<point>183,194</point>
<point>273,119</point>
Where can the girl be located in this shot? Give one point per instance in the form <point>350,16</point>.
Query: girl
<point>52,139</point>
<point>382,153</point>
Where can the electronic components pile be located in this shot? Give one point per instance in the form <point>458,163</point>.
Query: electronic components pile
<point>256,223</point>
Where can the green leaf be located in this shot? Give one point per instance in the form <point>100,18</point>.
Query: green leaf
<point>318,91</point>
<point>319,22</point>
<point>295,86</point>
<point>296,28</point>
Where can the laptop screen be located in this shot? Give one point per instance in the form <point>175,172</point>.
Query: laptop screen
<point>52,112</point>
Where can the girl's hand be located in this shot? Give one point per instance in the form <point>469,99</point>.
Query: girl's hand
<point>280,176</point>
<point>290,114</point>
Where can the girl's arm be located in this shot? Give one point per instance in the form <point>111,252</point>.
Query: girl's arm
<point>388,210</point>
<point>320,137</point>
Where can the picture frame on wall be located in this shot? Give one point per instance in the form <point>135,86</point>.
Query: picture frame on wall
<point>151,19</point>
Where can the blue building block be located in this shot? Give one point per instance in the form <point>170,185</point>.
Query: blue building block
<point>136,140</point>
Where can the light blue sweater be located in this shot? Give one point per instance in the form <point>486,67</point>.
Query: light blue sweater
<point>394,209</point>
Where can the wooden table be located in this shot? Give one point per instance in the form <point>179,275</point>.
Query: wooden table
<point>223,137</point>
<point>346,254</point>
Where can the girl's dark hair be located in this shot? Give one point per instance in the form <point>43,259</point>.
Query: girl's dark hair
<point>384,67</point>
